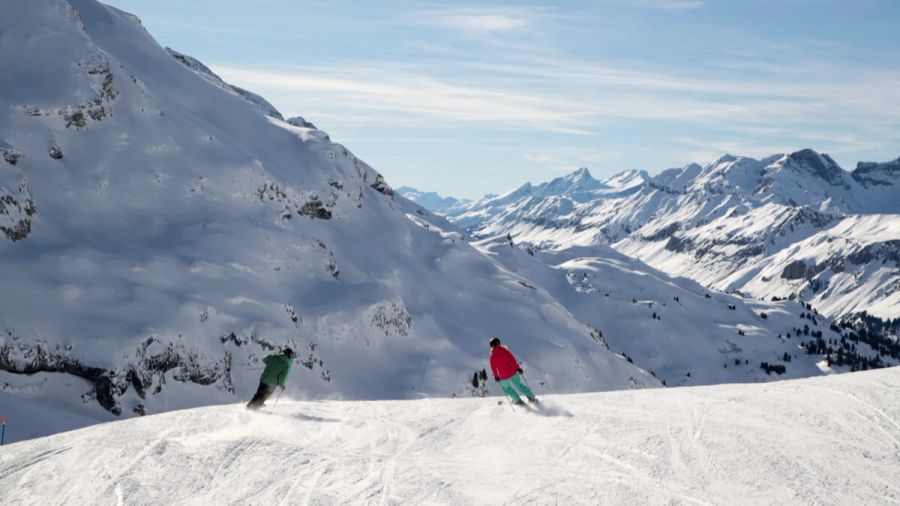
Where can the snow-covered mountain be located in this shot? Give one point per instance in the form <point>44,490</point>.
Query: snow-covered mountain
<point>163,231</point>
<point>429,200</point>
<point>557,203</point>
<point>846,266</point>
<point>736,224</point>
<point>822,441</point>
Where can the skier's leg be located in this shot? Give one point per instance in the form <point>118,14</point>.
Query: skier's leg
<point>510,391</point>
<point>267,392</point>
<point>255,401</point>
<point>262,393</point>
<point>522,387</point>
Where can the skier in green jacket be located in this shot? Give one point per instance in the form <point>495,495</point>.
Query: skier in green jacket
<point>277,368</point>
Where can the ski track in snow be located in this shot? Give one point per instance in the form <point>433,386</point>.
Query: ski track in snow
<point>830,440</point>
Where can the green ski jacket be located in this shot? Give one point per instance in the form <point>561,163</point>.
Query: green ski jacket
<point>277,369</point>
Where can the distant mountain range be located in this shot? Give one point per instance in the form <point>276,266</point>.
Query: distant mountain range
<point>488,216</point>
<point>791,225</point>
<point>429,200</point>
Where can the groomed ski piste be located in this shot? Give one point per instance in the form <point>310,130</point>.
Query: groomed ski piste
<point>826,440</point>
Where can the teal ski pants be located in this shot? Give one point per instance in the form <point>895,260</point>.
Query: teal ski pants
<point>516,381</point>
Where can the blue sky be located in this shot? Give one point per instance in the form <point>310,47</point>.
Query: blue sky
<point>470,98</point>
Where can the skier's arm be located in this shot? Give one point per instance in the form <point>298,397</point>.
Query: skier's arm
<point>513,363</point>
<point>282,375</point>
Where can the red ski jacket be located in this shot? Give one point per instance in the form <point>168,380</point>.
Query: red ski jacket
<point>503,363</point>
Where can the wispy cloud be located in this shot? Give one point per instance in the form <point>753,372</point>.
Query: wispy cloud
<point>476,20</point>
<point>566,158</point>
<point>711,149</point>
<point>666,5</point>
<point>669,5</point>
<point>405,94</point>
<point>537,157</point>
<point>570,96</point>
<point>479,23</point>
<point>833,143</point>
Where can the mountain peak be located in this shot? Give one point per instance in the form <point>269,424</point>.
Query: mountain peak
<point>627,179</point>
<point>726,158</point>
<point>576,185</point>
<point>299,121</point>
<point>691,167</point>
<point>817,164</point>
<point>581,173</point>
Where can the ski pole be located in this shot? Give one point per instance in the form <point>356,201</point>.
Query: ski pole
<point>278,398</point>
<point>3,430</point>
<point>508,400</point>
<point>526,381</point>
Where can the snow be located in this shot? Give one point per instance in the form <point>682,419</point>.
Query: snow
<point>830,440</point>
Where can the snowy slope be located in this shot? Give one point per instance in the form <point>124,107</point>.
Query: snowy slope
<point>851,267</point>
<point>161,234</point>
<point>833,440</point>
<point>681,332</point>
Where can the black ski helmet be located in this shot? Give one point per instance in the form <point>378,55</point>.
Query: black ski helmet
<point>495,341</point>
<point>288,352</point>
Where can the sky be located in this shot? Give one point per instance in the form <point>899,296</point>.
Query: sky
<point>471,98</point>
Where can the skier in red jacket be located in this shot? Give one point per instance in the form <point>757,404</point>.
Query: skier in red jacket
<point>507,371</point>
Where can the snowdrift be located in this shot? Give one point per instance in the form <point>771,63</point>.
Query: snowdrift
<point>828,440</point>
